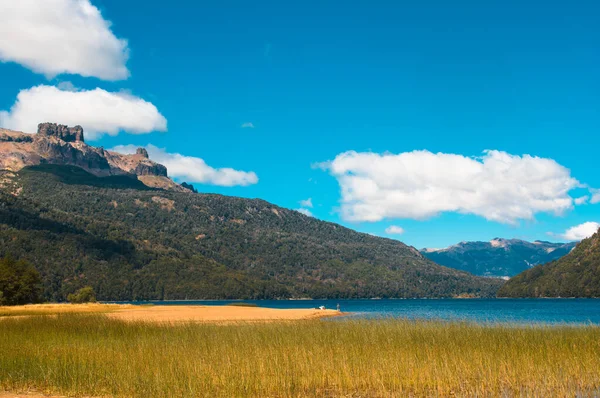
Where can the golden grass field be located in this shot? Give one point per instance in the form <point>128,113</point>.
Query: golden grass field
<point>74,354</point>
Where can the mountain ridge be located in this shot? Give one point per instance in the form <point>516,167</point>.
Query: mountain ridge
<point>498,257</point>
<point>130,241</point>
<point>575,275</point>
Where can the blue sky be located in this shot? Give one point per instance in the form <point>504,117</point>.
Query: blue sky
<point>317,79</point>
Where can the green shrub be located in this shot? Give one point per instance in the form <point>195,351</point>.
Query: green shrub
<point>20,282</point>
<point>83,295</point>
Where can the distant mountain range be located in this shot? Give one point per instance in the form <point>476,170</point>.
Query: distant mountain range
<point>498,257</point>
<point>575,275</point>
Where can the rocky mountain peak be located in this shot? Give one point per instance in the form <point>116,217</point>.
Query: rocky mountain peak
<point>63,145</point>
<point>61,131</point>
<point>499,242</point>
<point>143,152</point>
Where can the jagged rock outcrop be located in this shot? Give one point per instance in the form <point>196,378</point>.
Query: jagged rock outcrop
<point>63,145</point>
<point>189,186</point>
<point>137,164</point>
<point>143,152</point>
<point>143,169</point>
<point>60,131</point>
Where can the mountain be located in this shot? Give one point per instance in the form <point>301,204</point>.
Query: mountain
<point>498,257</point>
<point>131,241</point>
<point>62,145</point>
<point>575,275</point>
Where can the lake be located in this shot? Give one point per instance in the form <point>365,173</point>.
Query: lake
<point>570,311</point>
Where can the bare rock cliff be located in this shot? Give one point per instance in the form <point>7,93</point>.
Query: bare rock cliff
<point>60,131</point>
<point>60,144</point>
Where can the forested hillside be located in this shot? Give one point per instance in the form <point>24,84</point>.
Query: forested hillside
<point>129,241</point>
<point>575,275</point>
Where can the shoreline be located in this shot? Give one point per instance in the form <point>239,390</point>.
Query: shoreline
<point>142,302</point>
<point>171,314</point>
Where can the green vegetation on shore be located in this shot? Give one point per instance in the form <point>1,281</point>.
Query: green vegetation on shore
<point>20,282</point>
<point>94,356</point>
<point>83,295</point>
<point>575,275</point>
<point>135,243</point>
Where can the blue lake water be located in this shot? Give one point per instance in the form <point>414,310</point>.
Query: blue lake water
<point>570,311</point>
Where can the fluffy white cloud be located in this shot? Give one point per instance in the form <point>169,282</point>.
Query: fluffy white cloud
<point>191,169</point>
<point>306,203</point>
<point>306,212</point>
<point>394,230</point>
<point>97,111</point>
<point>61,36</point>
<point>580,231</point>
<point>248,125</point>
<point>497,186</point>
<point>582,200</point>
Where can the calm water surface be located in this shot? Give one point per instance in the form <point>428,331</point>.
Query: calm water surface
<point>572,311</point>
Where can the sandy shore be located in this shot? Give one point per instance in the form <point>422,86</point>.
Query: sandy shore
<point>193,313</point>
<point>172,313</point>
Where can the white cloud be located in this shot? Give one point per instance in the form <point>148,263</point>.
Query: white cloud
<point>52,37</point>
<point>192,169</point>
<point>497,186</point>
<point>306,212</point>
<point>582,200</point>
<point>595,196</point>
<point>394,230</point>
<point>97,111</point>
<point>580,231</point>
<point>306,203</point>
<point>248,125</point>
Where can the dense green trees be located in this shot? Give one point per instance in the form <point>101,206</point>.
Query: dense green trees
<point>575,275</point>
<point>134,243</point>
<point>20,282</point>
<point>83,295</point>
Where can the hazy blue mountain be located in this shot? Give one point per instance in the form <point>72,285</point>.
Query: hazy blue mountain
<point>498,257</point>
<point>575,275</point>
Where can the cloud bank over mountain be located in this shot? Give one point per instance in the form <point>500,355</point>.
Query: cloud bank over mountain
<point>98,111</point>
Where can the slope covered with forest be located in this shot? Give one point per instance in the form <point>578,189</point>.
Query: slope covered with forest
<point>130,241</point>
<point>575,275</point>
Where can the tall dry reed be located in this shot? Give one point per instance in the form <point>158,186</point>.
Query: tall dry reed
<point>95,356</point>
